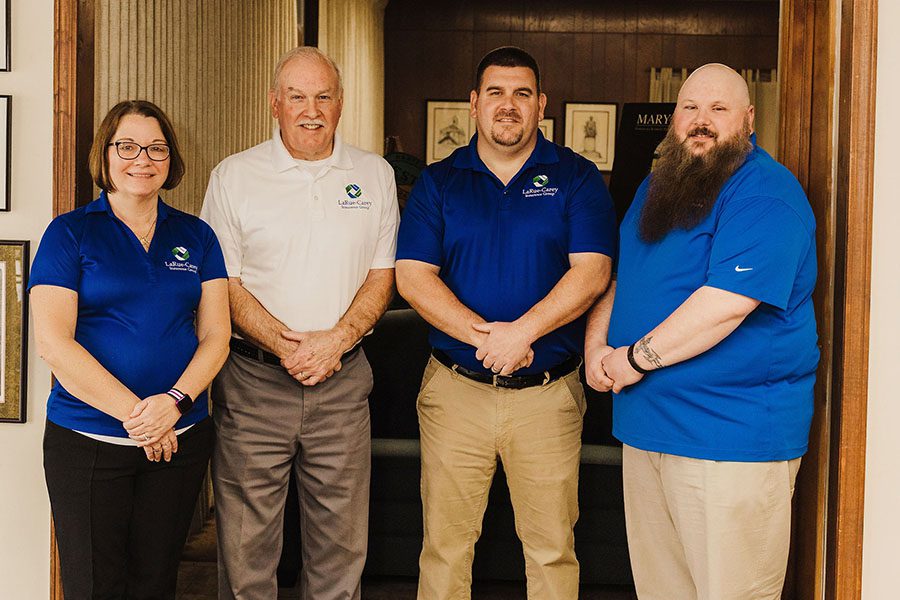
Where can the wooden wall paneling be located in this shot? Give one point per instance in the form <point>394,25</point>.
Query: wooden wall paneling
<point>614,67</point>
<point>73,75</point>
<point>71,111</point>
<point>485,41</point>
<point>630,49</point>
<point>583,55</point>
<point>807,67</point>
<point>683,19</point>
<point>600,86</point>
<point>496,17</point>
<point>855,158</point>
<point>649,54</point>
<point>562,66</point>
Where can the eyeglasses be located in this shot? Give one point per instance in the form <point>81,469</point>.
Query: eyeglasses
<point>131,150</point>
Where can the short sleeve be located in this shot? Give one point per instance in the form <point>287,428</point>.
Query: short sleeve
<point>213,266</point>
<point>591,215</point>
<point>58,259</point>
<point>757,250</point>
<point>386,247</point>
<point>422,225</point>
<point>219,213</point>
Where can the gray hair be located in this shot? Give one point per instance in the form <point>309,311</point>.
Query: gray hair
<point>310,52</point>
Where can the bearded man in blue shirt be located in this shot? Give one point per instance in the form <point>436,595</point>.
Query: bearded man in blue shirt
<point>502,248</point>
<point>708,342</point>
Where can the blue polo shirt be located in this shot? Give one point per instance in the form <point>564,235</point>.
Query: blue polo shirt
<point>135,309</point>
<point>502,248</point>
<point>750,397</point>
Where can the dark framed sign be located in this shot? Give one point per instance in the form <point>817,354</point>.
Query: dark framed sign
<point>4,35</point>
<point>5,150</point>
<point>14,261</point>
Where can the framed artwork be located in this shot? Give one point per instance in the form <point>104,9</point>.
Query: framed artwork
<point>591,132</point>
<point>4,35</point>
<point>546,126</point>
<point>5,141</point>
<point>13,330</point>
<point>447,127</point>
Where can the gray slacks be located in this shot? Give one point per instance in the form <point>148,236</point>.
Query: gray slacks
<point>266,424</point>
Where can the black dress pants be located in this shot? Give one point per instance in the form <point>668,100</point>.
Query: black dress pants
<point>122,520</point>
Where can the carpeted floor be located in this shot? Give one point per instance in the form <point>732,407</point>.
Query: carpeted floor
<point>197,580</point>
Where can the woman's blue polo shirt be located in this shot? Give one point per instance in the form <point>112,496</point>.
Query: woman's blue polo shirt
<point>502,248</point>
<point>136,309</point>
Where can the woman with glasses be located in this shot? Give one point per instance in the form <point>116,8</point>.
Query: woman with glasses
<point>130,307</point>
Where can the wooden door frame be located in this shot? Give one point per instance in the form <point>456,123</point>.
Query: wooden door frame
<point>838,177</point>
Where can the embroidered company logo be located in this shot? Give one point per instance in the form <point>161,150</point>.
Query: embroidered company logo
<point>354,192</point>
<point>740,269</point>
<point>540,187</point>
<point>180,263</point>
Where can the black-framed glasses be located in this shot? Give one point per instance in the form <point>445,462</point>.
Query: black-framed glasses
<point>131,150</point>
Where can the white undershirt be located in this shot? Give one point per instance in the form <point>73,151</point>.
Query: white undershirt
<point>120,441</point>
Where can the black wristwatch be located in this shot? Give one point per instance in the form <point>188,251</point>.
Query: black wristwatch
<point>183,402</point>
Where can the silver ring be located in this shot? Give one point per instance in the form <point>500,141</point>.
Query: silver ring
<point>301,375</point>
<point>146,437</point>
<point>495,370</point>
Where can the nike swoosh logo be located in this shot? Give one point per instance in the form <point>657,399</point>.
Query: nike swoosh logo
<point>741,270</point>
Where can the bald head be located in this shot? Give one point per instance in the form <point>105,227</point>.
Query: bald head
<point>713,106</point>
<point>718,80</point>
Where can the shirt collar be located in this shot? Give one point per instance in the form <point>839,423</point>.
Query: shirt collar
<point>283,161</point>
<point>101,204</point>
<point>544,153</point>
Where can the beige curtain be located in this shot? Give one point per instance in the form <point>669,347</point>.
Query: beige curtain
<point>665,83</point>
<point>763,85</point>
<point>207,63</point>
<point>352,33</point>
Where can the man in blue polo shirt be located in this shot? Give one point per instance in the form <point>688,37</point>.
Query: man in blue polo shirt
<point>502,248</point>
<point>711,353</point>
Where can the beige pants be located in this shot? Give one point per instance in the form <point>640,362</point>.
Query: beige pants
<point>536,432</point>
<point>707,530</point>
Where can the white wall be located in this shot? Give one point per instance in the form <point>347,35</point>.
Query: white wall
<point>882,509</point>
<point>24,510</point>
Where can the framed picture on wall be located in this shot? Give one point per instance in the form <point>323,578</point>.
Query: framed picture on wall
<point>4,35</point>
<point>591,132</point>
<point>546,126</point>
<point>13,330</point>
<point>447,127</point>
<point>5,142</point>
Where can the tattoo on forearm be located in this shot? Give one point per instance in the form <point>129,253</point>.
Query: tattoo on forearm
<point>648,353</point>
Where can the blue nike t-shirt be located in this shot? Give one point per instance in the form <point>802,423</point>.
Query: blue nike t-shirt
<point>135,309</point>
<point>750,397</point>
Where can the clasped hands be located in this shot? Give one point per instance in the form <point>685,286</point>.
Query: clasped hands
<point>151,424</point>
<point>314,356</point>
<point>607,368</point>
<point>503,347</point>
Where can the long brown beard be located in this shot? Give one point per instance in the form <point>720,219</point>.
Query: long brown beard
<point>683,187</point>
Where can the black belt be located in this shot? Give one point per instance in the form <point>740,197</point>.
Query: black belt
<point>514,382</point>
<point>245,348</point>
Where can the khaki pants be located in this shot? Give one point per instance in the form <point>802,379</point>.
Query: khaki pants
<point>536,432</point>
<point>707,530</point>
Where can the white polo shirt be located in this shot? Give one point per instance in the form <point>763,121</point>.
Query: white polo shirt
<point>303,236</point>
